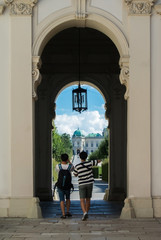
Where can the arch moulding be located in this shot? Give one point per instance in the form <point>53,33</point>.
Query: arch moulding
<point>53,26</point>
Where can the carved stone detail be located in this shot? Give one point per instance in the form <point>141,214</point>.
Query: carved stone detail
<point>124,75</point>
<point>52,110</point>
<point>81,13</point>
<point>21,7</point>
<point>2,9</point>
<point>137,7</point>
<point>158,9</point>
<point>107,108</point>
<point>36,76</point>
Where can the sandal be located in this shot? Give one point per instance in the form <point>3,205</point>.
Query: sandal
<point>63,217</point>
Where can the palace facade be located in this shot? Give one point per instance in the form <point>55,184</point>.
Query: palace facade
<point>89,143</point>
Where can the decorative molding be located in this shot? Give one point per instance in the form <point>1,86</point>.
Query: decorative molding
<point>143,7</point>
<point>107,108</point>
<point>52,110</point>
<point>2,7</point>
<point>21,7</point>
<point>80,6</point>
<point>158,9</point>
<point>36,76</point>
<point>124,75</point>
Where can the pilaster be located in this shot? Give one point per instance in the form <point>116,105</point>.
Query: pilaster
<point>21,98</point>
<point>139,133</point>
<point>156,110</point>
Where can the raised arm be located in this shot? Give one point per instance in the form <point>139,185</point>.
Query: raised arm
<point>99,160</point>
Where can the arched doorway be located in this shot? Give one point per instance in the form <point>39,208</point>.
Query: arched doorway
<point>99,64</point>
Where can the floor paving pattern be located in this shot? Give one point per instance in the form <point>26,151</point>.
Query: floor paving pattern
<point>95,228</point>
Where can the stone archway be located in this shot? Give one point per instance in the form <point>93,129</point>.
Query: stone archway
<point>100,67</point>
<point>111,28</point>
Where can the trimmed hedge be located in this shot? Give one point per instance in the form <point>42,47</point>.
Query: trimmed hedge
<point>105,171</point>
<point>95,172</point>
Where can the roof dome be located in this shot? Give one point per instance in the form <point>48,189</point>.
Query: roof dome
<point>91,135</point>
<point>77,133</point>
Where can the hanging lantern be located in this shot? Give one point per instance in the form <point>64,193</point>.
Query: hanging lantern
<point>79,97</point>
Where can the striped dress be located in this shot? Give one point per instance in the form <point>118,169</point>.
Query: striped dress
<point>84,172</point>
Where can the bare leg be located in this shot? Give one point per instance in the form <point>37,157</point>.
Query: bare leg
<point>87,204</point>
<point>83,205</point>
<point>68,204</point>
<point>62,207</point>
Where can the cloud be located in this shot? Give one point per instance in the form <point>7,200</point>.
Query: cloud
<point>87,122</point>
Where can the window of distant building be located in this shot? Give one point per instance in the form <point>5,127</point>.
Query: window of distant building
<point>77,143</point>
<point>86,144</point>
<point>91,151</point>
<point>96,144</point>
<point>91,144</point>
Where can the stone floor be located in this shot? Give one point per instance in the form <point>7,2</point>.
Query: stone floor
<point>103,223</point>
<point>97,227</point>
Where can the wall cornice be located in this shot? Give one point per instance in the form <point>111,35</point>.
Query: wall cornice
<point>21,7</point>
<point>140,7</point>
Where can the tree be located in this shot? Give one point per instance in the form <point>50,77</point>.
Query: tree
<point>60,144</point>
<point>103,148</point>
<point>101,152</point>
<point>67,144</point>
<point>57,145</point>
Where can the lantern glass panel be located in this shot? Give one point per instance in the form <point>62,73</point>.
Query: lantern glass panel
<point>79,99</point>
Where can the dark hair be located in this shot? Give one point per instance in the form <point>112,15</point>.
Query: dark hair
<point>83,155</point>
<point>64,157</point>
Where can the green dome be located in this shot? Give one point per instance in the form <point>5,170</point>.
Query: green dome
<point>77,133</point>
<point>94,135</point>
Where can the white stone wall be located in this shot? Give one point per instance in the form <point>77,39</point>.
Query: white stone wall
<point>5,119</point>
<point>47,7</point>
<point>113,7</point>
<point>156,103</point>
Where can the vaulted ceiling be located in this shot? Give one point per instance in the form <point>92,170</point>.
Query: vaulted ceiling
<point>84,49</point>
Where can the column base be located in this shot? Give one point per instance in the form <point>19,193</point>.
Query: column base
<point>20,207</point>
<point>137,208</point>
<point>157,206</point>
<point>114,195</point>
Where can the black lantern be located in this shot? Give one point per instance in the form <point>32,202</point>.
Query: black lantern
<point>79,95</point>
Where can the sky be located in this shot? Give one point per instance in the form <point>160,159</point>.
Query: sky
<point>90,121</point>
